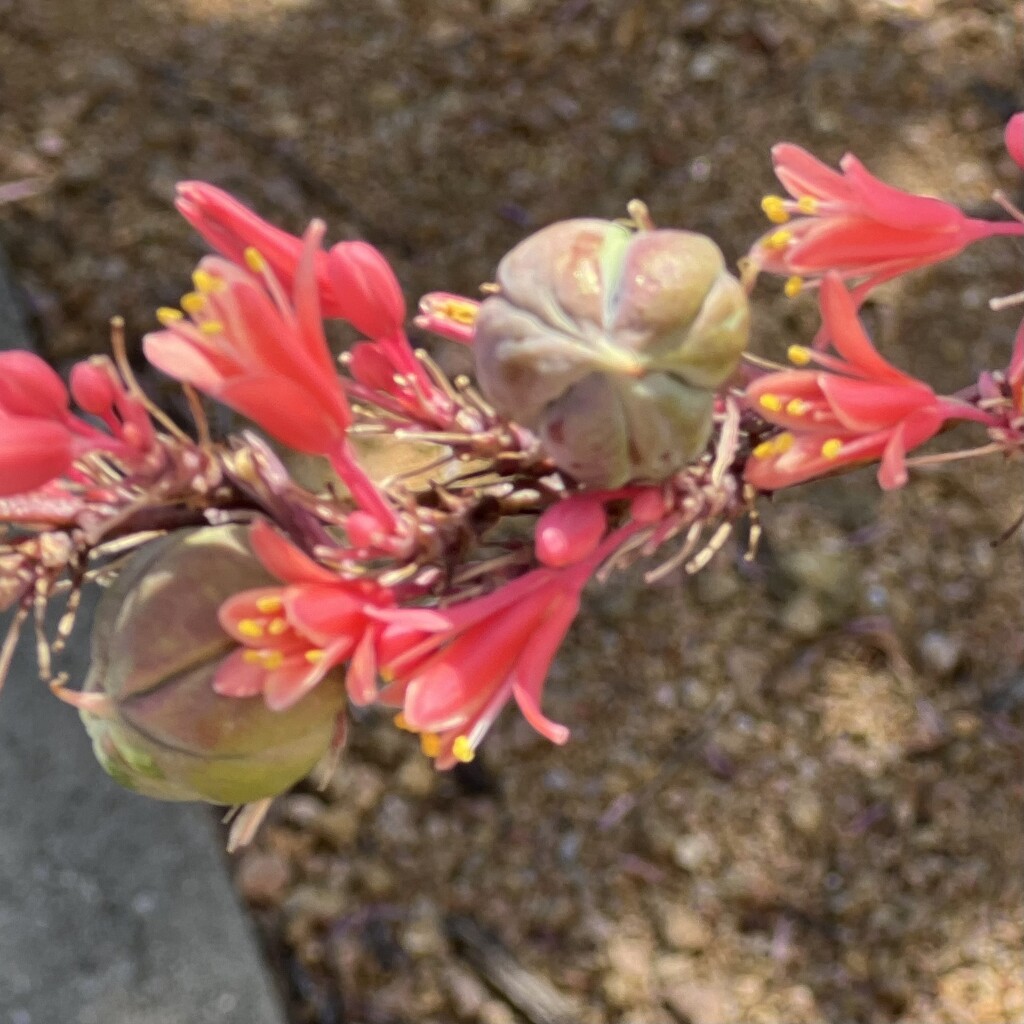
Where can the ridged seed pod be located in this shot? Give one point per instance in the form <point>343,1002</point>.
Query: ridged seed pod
<point>609,343</point>
<point>156,644</point>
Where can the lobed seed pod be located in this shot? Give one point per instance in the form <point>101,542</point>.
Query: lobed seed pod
<point>609,343</point>
<point>156,644</point>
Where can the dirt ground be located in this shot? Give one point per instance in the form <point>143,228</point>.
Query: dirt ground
<point>795,791</point>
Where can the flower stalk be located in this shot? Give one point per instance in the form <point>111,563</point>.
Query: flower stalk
<point>440,559</point>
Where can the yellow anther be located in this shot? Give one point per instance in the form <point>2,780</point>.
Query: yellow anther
<point>460,312</point>
<point>774,208</point>
<point>779,239</point>
<point>430,744</point>
<point>764,450</point>
<point>277,626</point>
<point>167,315</point>
<point>793,286</point>
<point>251,628</point>
<point>831,448</point>
<point>401,722</point>
<point>783,443</point>
<point>770,402</point>
<point>254,260</point>
<point>807,204</point>
<point>193,302</point>
<point>271,659</point>
<point>204,281</point>
<point>211,327</point>
<point>462,749</point>
<point>314,656</point>
<point>253,657</point>
<point>798,355</point>
<point>797,407</point>
<point>269,605</point>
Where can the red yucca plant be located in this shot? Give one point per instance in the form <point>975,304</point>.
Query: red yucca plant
<point>616,416</point>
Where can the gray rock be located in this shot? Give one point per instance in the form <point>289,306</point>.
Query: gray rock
<point>114,909</point>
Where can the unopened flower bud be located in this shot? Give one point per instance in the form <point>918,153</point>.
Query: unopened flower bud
<point>609,343</point>
<point>157,642</point>
<point>1014,138</point>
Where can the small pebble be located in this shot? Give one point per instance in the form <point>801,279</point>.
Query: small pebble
<point>263,877</point>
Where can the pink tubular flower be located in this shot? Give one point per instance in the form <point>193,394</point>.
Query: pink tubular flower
<point>40,437</point>
<point>452,670</point>
<point>292,636</point>
<point>855,409</point>
<point>245,343</point>
<point>353,279</point>
<point>248,346</point>
<point>856,225</point>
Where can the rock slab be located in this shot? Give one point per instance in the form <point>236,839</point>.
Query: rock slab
<point>114,909</point>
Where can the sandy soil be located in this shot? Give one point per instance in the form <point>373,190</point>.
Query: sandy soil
<point>794,791</point>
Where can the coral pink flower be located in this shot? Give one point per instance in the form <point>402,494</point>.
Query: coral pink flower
<point>452,670</point>
<point>245,344</point>
<point>855,409</point>
<point>40,437</point>
<point>353,279</point>
<point>292,636</point>
<point>856,225</point>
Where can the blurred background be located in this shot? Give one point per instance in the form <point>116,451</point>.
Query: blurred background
<point>794,790</point>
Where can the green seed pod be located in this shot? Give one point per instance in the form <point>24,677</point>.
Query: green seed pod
<point>609,344</point>
<point>156,645</point>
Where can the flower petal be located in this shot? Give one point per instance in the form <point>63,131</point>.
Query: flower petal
<point>185,361</point>
<point>32,452</point>
<point>283,559</point>
<point>839,313</point>
<point>913,431</point>
<point>897,208</point>
<point>864,406</point>
<point>803,174</point>
<point>237,677</point>
<point>287,410</point>
<point>325,612</point>
<point>858,245</point>
<point>531,669</point>
<point>361,678</point>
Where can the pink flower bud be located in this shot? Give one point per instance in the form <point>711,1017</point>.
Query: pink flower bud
<point>569,531</point>
<point>92,388</point>
<point>1014,137</point>
<point>647,507</point>
<point>363,529</point>
<point>29,387</point>
<point>32,452</point>
<point>366,291</point>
